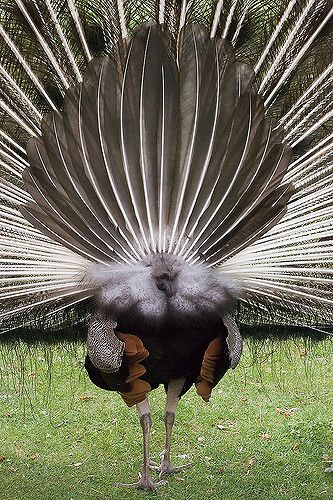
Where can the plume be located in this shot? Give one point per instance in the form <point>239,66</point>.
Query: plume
<point>197,130</point>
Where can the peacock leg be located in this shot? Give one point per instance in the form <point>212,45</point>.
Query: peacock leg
<point>174,390</point>
<point>145,481</point>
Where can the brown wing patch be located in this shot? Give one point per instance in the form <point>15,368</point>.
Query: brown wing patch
<point>135,352</point>
<point>205,382</point>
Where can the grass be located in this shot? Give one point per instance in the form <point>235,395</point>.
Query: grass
<point>266,434</point>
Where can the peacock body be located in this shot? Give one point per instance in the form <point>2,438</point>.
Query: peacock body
<point>166,167</point>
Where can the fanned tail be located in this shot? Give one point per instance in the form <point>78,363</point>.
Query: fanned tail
<point>205,133</point>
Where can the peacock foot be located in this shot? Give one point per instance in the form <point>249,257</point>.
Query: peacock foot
<point>165,469</point>
<point>145,483</point>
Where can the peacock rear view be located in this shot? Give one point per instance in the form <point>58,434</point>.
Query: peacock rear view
<point>166,175</point>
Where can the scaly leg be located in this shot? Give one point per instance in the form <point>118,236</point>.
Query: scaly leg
<point>145,481</point>
<point>174,389</point>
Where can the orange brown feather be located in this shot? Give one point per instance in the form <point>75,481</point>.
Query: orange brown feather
<point>210,360</point>
<point>135,352</point>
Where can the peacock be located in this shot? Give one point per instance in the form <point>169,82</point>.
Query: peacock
<point>166,176</point>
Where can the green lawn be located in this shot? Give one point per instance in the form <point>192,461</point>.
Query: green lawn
<point>266,434</point>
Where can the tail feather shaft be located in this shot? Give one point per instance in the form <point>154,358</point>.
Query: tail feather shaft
<point>198,129</point>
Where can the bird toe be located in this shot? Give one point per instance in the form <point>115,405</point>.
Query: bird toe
<point>145,483</point>
<point>165,469</point>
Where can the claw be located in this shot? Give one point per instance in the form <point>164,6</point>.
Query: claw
<point>165,469</point>
<point>145,483</point>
